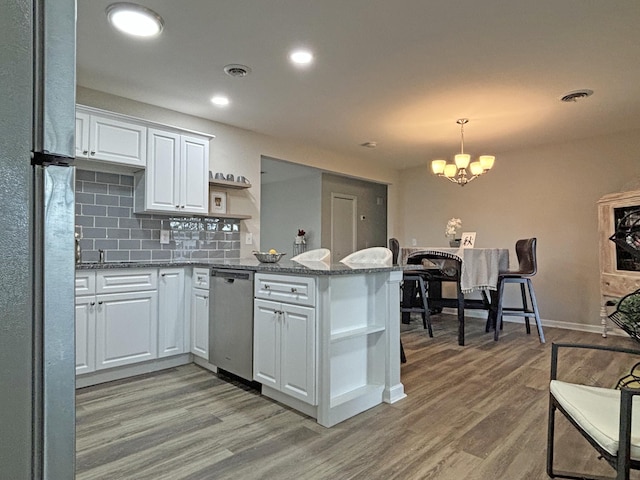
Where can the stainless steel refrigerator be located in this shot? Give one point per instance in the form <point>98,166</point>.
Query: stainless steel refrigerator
<point>37,325</point>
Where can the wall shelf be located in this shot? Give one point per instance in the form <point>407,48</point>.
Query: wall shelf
<point>236,216</point>
<point>228,184</point>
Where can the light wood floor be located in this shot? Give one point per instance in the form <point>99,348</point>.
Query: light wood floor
<point>473,412</point>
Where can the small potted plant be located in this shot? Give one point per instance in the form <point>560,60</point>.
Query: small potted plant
<point>451,232</point>
<point>300,237</point>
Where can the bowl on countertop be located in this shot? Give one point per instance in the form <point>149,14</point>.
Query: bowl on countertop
<point>266,257</point>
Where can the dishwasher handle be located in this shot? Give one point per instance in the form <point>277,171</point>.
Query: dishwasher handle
<point>231,276</point>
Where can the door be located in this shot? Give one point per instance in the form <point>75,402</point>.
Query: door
<point>344,210</point>
<point>126,328</point>
<point>297,358</point>
<point>116,141</point>
<point>163,172</point>
<point>171,312</point>
<point>200,322</point>
<point>266,343</point>
<point>85,334</point>
<point>82,134</point>
<point>194,180</point>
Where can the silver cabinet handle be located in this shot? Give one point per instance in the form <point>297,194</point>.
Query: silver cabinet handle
<point>100,302</point>
<point>163,274</point>
<point>92,152</point>
<point>92,303</point>
<point>293,290</point>
<point>267,287</point>
<point>84,152</point>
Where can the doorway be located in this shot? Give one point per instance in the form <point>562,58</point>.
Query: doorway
<point>344,229</point>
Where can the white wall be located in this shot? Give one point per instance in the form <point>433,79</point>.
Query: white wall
<point>292,204</point>
<point>549,192</point>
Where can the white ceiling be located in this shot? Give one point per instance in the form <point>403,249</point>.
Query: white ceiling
<point>395,72</point>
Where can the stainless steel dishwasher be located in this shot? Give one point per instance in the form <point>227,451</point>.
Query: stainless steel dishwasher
<point>231,321</point>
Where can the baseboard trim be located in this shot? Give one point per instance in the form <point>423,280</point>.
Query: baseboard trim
<point>581,327</point>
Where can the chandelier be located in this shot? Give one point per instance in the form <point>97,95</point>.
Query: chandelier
<point>457,172</point>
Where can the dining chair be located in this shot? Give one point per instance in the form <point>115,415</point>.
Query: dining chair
<point>315,255</point>
<point>527,268</point>
<point>414,298</point>
<point>373,255</point>
<point>436,270</point>
<point>608,418</point>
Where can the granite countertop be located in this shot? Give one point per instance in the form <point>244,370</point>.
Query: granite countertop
<point>283,266</point>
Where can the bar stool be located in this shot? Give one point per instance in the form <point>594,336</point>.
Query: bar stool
<point>527,268</point>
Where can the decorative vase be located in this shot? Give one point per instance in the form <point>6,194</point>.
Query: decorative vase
<point>299,240</point>
<point>455,242</point>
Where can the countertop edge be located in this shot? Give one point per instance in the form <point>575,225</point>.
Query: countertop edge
<point>248,264</point>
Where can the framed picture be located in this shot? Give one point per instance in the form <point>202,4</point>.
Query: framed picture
<point>217,202</point>
<point>468,240</point>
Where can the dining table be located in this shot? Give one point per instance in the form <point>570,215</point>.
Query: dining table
<point>472,269</point>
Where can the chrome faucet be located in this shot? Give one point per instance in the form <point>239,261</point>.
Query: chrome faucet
<point>78,248</point>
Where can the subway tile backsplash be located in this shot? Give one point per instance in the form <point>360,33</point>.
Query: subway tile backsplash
<point>105,221</point>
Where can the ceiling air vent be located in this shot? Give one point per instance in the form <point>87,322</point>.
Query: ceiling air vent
<point>576,95</point>
<point>235,70</point>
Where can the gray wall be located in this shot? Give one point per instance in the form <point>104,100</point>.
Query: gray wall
<point>105,221</point>
<point>287,206</point>
<point>372,231</point>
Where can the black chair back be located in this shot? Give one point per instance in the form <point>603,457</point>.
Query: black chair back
<point>526,253</point>
<point>394,246</point>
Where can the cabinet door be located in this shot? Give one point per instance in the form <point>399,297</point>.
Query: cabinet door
<point>297,347</point>
<point>171,324</point>
<point>266,342</point>
<point>194,178</point>
<point>126,328</point>
<point>200,322</point>
<point>117,141</point>
<point>162,181</point>
<point>85,334</point>
<point>82,134</point>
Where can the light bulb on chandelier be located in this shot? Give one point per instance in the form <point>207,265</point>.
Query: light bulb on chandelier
<point>457,172</point>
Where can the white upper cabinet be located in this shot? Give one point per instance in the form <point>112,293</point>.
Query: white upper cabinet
<point>176,178</point>
<point>109,139</point>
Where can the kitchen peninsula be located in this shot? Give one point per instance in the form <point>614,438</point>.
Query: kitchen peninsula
<point>346,318</point>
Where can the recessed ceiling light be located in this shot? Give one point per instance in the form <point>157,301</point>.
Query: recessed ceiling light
<point>220,101</point>
<point>134,19</point>
<point>301,57</point>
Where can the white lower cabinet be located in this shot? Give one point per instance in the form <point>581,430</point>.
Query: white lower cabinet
<point>116,318</point>
<point>284,348</point>
<point>200,313</point>
<point>171,309</point>
<point>126,328</point>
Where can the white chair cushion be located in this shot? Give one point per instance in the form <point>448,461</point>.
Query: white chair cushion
<point>371,256</point>
<point>316,255</point>
<point>597,411</point>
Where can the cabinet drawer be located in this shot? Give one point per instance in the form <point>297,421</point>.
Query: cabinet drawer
<point>117,281</point>
<point>286,288</point>
<point>85,283</point>
<point>201,278</point>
